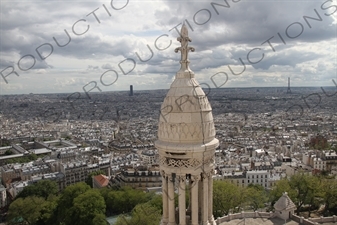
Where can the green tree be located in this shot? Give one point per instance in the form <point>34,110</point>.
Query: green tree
<point>9,152</point>
<point>256,196</point>
<point>142,214</point>
<point>32,157</point>
<point>49,211</point>
<point>280,187</point>
<point>105,193</point>
<point>313,198</point>
<point>303,188</point>
<point>100,219</point>
<point>157,201</point>
<point>65,209</point>
<point>226,196</point>
<point>42,188</point>
<point>125,199</point>
<point>319,142</point>
<point>328,193</point>
<point>25,210</point>
<point>87,207</point>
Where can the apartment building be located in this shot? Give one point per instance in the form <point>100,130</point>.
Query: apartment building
<point>244,178</point>
<point>140,177</point>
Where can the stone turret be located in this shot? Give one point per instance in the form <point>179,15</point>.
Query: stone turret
<point>284,207</point>
<point>186,144</point>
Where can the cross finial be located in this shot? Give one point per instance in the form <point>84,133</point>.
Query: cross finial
<point>184,49</point>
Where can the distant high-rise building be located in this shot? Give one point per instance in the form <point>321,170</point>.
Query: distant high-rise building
<point>288,90</point>
<point>131,90</point>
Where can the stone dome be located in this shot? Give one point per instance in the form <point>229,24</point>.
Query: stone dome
<point>186,115</point>
<point>186,145</point>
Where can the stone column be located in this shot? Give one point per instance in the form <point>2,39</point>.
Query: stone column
<point>189,193</point>
<point>182,200</point>
<point>200,200</point>
<point>170,196</point>
<point>210,197</point>
<point>194,198</point>
<point>204,214</point>
<point>165,199</point>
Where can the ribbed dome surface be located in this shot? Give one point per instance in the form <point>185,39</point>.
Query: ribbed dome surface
<point>186,120</point>
<point>186,115</point>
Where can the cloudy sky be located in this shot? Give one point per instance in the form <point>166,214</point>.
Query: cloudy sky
<point>70,46</point>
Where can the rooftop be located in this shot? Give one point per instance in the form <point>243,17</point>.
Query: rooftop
<point>259,221</point>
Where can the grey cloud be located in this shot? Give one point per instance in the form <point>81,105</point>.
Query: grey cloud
<point>107,66</point>
<point>291,58</point>
<point>92,68</point>
<point>27,25</point>
<point>252,22</point>
<point>221,41</point>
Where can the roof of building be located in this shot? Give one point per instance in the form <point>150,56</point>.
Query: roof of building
<point>284,203</point>
<point>259,221</point>
<point>102,180</point>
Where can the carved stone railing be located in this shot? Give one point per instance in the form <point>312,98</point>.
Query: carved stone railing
<point>244,215</point>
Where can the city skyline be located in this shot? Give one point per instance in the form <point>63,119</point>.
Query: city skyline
<point>295,39</point>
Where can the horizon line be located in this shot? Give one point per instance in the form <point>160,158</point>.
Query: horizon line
<point>128,90</point>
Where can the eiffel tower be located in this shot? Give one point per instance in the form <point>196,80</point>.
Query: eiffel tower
<point>288,90</point>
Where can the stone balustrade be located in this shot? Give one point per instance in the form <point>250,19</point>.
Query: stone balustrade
<point>243,215</point>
